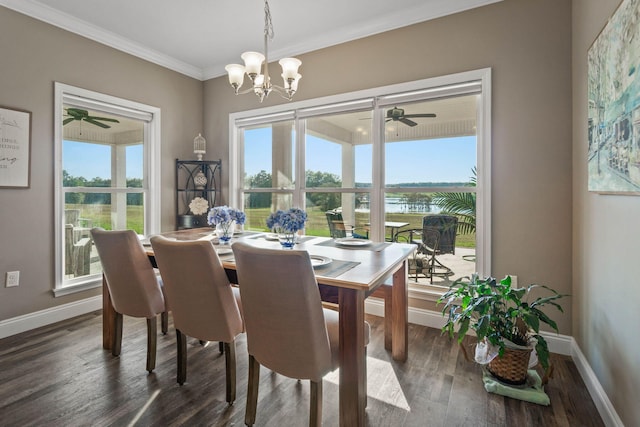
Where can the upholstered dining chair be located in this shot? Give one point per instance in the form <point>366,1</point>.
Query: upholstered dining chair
<point>281,304</point>
<point>203,303</point>
<point>133,285</point>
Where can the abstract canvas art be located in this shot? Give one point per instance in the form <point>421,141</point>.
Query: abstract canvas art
<point>614,104</point>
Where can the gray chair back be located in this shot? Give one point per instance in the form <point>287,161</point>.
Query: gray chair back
<point>132,282</point>
<point>284,320</point>
<point>197,289</point>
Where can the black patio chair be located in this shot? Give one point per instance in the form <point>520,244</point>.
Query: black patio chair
<point>338,229</point>
<point>437,237</point>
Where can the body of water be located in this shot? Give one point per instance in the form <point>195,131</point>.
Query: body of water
<point>397,205</point>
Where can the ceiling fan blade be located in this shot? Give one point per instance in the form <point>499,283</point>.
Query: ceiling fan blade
<point>67,121</point>
<point>93,122</point>
<point>420,115</point>
<point>408,122</point>
<point>77,112</point>
<point>105,119</point>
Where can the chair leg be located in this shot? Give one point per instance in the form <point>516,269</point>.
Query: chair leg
<point>117,334</point>
<point>315,410</point>
<point>221,347</point>
<point>252,391</point>
<point>164,320</point>
<point>230,366</point>
<point>152,340</point>
<point>181,341</point>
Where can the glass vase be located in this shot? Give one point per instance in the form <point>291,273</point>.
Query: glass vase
<point>287,239</point>
<point>224,231</point>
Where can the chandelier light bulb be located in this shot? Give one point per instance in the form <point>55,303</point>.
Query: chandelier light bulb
<point>236,75</point>
<point>289,67</point>
<point>252,62</point>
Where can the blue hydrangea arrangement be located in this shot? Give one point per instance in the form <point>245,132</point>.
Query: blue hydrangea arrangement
<point>225,214</point>
<point>288,221</point>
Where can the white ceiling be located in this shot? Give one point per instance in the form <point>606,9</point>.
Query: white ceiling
<point>199,37</point>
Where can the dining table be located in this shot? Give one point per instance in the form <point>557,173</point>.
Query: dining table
<point>356,268</point>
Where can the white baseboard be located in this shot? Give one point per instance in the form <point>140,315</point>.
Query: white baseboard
<point>605,408</point>
<point>40,318</point>
<point>560,344</point>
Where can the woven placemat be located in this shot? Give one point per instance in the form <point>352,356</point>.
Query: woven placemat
<point>335,268</point>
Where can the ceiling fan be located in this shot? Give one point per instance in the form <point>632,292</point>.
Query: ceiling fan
<point>397,115</point>
<point>83,115</point>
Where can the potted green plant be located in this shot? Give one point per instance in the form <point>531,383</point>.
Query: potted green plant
<point>504,319</point>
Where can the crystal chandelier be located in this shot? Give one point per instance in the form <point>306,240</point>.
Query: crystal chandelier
<point>261,83</point>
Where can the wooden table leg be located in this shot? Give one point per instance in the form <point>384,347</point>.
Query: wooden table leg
<point>108,316</point>
<point>352,357</point>
<point>400,315</point>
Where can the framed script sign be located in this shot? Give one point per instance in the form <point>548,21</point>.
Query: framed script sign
<point>15,147</point>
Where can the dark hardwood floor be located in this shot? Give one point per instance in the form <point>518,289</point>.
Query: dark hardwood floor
<point>59,375</point>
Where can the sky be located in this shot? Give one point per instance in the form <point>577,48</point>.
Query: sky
<point>436,160</point>
<point>94,160</point>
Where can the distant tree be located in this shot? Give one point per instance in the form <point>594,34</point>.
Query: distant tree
<point>324,201</point>
<point>416,202</point>
<point>98,198</point>
<point>262,179</point>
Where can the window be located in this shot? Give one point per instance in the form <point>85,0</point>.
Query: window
<point>106,172</point>
<point>382,157</point>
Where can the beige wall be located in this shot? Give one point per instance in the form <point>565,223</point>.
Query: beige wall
<point>605,252</point>
<point>34,55</point>
<point>527,45</point>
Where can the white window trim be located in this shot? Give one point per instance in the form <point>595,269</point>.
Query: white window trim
<point>442,86</point>
<point>152,158</point>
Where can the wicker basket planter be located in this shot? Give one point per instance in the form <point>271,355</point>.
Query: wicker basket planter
<point>512,367</point>
<point>503,317</point>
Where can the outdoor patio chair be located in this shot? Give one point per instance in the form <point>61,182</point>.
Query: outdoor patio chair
<point>338,229</point>
<point>437,237</point>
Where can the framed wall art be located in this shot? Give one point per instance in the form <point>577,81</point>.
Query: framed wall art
<point>15,148</point>
<point>614,104</point>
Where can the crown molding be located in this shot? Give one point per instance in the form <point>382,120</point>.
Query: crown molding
<point>430,10</point>
<point>69,23</point>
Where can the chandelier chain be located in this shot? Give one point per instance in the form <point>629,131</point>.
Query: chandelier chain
<point>268,25</point>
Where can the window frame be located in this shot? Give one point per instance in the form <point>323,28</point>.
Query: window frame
<point>475,81</point>
<point>151,171</point>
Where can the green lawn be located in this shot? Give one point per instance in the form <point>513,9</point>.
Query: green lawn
<point>99,215</point>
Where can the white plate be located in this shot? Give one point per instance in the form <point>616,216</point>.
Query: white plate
<point>224,251</point>
<point>271,236</point>
<point>350,241</point>
<point>318,261</point>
